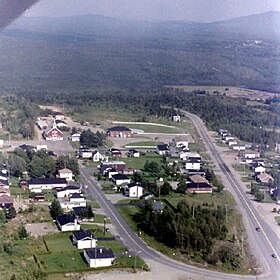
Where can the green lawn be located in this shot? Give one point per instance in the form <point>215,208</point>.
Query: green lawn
<point>198,199</point>
<point>116,246</point>
<point>59,262</point>
<point>59,242</point>
<point>99,218</point>
<point>98,231</point>
<point>128,212</point>
<point>17,191</point>
<point>138,163</point>
<point>147,128</point>
<point>143,144</point>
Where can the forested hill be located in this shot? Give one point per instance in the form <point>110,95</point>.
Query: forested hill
<point>77,53</point>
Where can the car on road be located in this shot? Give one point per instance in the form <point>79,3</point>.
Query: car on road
<point>258,229</point>
<point>274,255</point>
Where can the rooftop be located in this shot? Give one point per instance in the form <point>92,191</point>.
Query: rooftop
<point>40,181</point>
<point>81,234</point>
<point>100,253</point>
<point>118,128</point>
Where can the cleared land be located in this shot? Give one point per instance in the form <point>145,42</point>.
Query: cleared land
<point>229,91</point>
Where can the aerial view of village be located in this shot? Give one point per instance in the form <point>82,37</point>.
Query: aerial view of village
<point>120,159</point>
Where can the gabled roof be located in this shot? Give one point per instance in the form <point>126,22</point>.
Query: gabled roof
<point>118,128</point>
<point>50,128</point>
<point>6,199</point>
<point>198,179</point>
<point>40,181</point>
<point>80,209</point>
<point>193,160</point>
<point>131,185</point>
<point>120,177</point>
<point>100,253</point>
<point>265,177</point>
<point>64,170</point>
<point>82,234</point>
<point>65,219</point>
<point>162,147</point>
<point>76,195</point>
<point>4,182</point>
<point>198,185</point>
<point>70,187</point>
<point>60,122</point>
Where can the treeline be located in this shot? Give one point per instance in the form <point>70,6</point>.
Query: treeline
<point>19,115</point>
<point>243,121</point>
<point>192,229</point>
<point>39,164</point>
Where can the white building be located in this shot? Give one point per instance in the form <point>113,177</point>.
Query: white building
<point>37,185</point>
<point>99,257</point>
<point>177,118</point>
<point>180,144</point>
<point>84,239</point>
<point>66,173</point>
<point>250,154</point>
<point>75,200</point>
<point>120,179</point>
<point>97,156</point>
<point>259,169</point>
<point>67,223</point>
<point>238,147</point>
<point>193,164</point>
<point>134,190</point>
<point>75,137</point>
<point>232,142</point>
<point>67,191</point>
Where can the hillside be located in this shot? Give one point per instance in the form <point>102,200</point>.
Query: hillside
<point>94,52</point>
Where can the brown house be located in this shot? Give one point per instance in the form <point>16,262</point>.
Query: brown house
<point>119,131</point>
<point>198,184</point>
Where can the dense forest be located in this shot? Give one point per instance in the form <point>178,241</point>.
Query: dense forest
<point>199,230</point>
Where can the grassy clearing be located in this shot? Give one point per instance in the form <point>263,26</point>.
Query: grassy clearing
<point>99,218</point>
<point>143,144</point>
<point>97,231</point>
<point>128,212</point>
<point>16,191</point>
<point>147,128</point>
<point>138,163</point>
<point>59,242</point>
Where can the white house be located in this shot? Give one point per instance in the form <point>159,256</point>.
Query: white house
<point>75,137</point>
<point>67,223</point>
<point>67,191</point>
<point>176,118</point>
<point>112,172</point>
<point>162,149</point>
<point>97,156</point>
<point>39,184</point>
<point>41,147</point>
<point>84,239</point>
<point>259,170</point>
<point>238,147</point>
<point>99,257</point>
<point>133,190</point>
<point>134,153</point>
<point>85,153</point>
<point>180,144</point>
<point>66,173</point>
<point>232,142</point>
<point>250,154</point>
<point>75,200</point>
<point>120,179</point>
<point>193,164</point>
<point>228,138</point>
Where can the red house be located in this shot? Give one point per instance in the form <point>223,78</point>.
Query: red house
<point>119,131</point>
<point>52,133</point>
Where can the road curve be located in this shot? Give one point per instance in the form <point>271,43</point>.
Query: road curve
<point>263,242</point>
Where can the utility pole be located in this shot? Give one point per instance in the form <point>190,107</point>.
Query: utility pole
<point>226,205</point>
<point>104,226</point>
<point>242,245</point>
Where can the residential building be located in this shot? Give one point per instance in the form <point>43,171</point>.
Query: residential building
<point>67,223</point>
<point>250,154</point>
<point>162,149</point>
<point>84,239</point>
<point>6,201</point>
<point>133,190</point>
<point>134,153</point>
<point>75,137</point>
<point>238,147</point>
<point>147,196</point>
<point>264,178</point>
<point>4,191</point>
<point>97,156</point>
<point>232,142</point>
<point>42,124</point>
<point>61,124</point>
<point>67,191</point>
<point>85,153</point>
<point>99,257</point>
<point>193,164</point>
<point>83,213</point>
<point>259,170</point>
<point>74,200</point>
<point>117,165</point>
<point>198,184</point>
<point>115,153</point>
<point>66,173</point>
<point>119,131</point>
<point>176,118</point>
<point>39,184</point>
<point>120,179</point>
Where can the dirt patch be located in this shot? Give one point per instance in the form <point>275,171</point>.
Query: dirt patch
<point>40,229</point>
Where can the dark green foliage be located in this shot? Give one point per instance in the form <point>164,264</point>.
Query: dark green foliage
<point>22,233</point>
<point>8,248</point>
<point>152,167</point>
<point>91,139</point>
<point>165,189</point>
<point>88,214</point>
<point>68,162</point>
<point>11,213</point>
<point>55,209</point>
<point>191,230</point>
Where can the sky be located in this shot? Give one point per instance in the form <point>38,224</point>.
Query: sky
<point>187,10</point>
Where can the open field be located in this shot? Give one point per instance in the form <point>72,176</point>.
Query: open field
<point>143,144</point>
<point>229,91</point>
<point>148,128</point>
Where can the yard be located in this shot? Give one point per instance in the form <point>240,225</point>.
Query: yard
<point>143,144</point>
<point>148,128</point>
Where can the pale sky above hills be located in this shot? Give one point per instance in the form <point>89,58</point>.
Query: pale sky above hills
<point>187,10</point>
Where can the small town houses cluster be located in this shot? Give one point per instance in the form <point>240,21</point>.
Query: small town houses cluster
<point>247,156</point>
<point>6,201</point>
<point>72,201</point>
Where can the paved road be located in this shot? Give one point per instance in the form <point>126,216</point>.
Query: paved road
<point>264,243</point>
